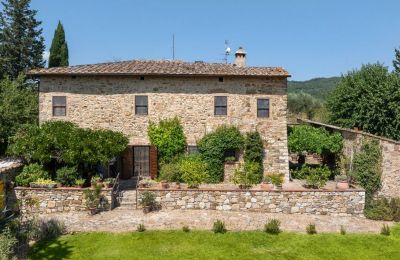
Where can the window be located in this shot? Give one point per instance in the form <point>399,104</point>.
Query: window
<point>59,106</point>
<point>262,107</point>
<point>141,105</point>
<point>192,149</point>
<point>220,105</point>
<point>231,153</point>
<point>221,79</point>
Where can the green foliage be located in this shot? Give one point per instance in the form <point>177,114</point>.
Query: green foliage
<point>8,242</point>
<point>31,173</point>
<point>67,175</point>
<point>80,182</point>
<point>311,229</point>
<point>253,148</point>
<point>384,209</point>
<point>21,40</point>
<point>194,170</point>
<point>141,228</point>
<point>213,147</point>
<point>273,227</point>
<point>185,229</point>
<point>219,227</point>
<point>48,229</point>
<point>317,87</point>
<point>18,106</point>
<point>367,168</point>
<point>302,103</point>
<point>305,138</point>
<point>92,197</point>
<point>342,230</point>
<point>396,61</point>
<point>169,139</point>
<point>148,199</point>
<point>368,99</point>
<point>170,172</point>
<point>275,179</point>
<point>248,175</point>
<point>59,48</point>
<point>66,143</point>
<point>385,230</point>
<point>316,177</point>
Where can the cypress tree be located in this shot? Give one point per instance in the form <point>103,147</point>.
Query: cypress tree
<point>59,48</point>
<point>396,61</point>
<point>21,42</point>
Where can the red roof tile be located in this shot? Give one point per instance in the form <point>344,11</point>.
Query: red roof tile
<point>161,67</point>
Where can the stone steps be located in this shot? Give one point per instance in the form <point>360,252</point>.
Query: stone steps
<point>127,199</point>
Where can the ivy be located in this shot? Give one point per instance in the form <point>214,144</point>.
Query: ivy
<point>169,139</point>
<point>213,147</point>
<point>254,152</point>
<point>367,169</point>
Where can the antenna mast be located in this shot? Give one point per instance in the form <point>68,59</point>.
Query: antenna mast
<point>227,51</point>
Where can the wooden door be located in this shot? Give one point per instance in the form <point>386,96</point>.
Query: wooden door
<point>141,161</point>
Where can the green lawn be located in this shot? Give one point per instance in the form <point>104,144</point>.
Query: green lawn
<point>207,245</point>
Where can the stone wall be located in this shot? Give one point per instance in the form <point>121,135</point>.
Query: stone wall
<point>335,203</point>
<point>108,102</point>
<point>353,139</point>
<point>57,200</point>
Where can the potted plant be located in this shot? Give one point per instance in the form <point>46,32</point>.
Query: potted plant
<point>80,182</point>
<point>266,184</point>
<point>109,182</point>
<point>342,182</point>
<point>43,183</point>
<point>164,184</point>
<point>230,159</point>
<point>276,180</point>
<point>95,181</point>
<point>148,202</point>
<point>92,197</point>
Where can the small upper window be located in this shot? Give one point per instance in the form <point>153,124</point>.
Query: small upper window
<point>141,105</point>
<point>220,105</point>
<point>192,149</point>
<point>262,107</point>
<point>59,106</point>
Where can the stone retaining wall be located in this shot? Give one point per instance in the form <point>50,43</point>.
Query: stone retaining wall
<point>334,203</point>
<point>58,199</point>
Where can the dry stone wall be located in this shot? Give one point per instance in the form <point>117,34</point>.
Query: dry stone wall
<point>334,203</point>
<point>109,102</point>
<point>57,200</point>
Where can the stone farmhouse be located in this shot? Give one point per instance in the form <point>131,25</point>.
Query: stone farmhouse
<point>125,96</point>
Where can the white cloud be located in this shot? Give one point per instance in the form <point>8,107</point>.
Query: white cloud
<point>46,55</point>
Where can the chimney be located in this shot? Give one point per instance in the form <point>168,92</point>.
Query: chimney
<point>240,58</point>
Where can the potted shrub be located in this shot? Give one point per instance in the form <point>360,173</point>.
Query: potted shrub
<point>342,182</point>
<point>95,181</point>
<point>43,183</point>
<point>92,197</point>
<point>276,180</point>
<point>148,202</point>
<point>194,170</point>
<point>247,175</point>
<point>80,182</point>
<point>109,182</point>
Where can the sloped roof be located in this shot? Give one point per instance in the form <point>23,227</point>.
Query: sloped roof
<point>161,67</point>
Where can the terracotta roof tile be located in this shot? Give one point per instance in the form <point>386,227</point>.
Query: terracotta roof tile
<point>161,67</point>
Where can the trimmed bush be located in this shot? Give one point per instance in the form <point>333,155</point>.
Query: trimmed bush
<point>31,173</point>
<point>49,229</point>
<point>273,227</point>
<point>185,229</point>
<point>247,175</point>
<point>219,227</point>
<point>385,230</point>
<point>213,148</point>
<point>311,229</point>
<point>169,139</point>
<point>170,172</point>
<point>316,177</point>
<point>141,228</point>
<point>194,170</point>
<point>67,176</point>
<point>275,178</point>
<point>384,209</point>
<point>342,230</point>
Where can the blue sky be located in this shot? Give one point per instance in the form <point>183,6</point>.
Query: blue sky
<point>310,38</point>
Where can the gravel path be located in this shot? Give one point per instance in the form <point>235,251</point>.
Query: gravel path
<point>127,220</point>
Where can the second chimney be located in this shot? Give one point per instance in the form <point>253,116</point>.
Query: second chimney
<point>240,58</point>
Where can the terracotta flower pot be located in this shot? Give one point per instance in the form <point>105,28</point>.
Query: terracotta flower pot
<point>93,211</point>
<point>164,185</point>
<point>342,185</point>
<point>266,186</point>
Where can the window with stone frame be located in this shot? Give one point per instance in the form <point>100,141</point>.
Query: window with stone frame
<point>220,105</point>
<point>59,104</point>
<point>141,105</point>
<point>263,107</point>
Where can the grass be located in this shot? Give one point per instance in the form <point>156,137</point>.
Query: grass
<point>207,245</point>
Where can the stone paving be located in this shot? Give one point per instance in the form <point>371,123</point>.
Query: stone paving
<point>123,220</point>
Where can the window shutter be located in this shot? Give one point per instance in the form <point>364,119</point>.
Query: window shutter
<point>153,162</point>
<point>127,163</point>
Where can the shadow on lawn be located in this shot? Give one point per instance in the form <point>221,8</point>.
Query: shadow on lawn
<point>51,249</point>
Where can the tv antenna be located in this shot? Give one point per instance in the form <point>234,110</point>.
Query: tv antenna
<point>227,51</point>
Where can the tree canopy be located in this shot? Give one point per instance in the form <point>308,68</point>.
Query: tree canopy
<point>59,48</point>
<point>396,61</point>
<point>369,99</point>
<point>21,42</point>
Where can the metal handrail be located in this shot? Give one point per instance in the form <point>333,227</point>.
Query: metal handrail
<point>115,191</point>
<point>136,189</point>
